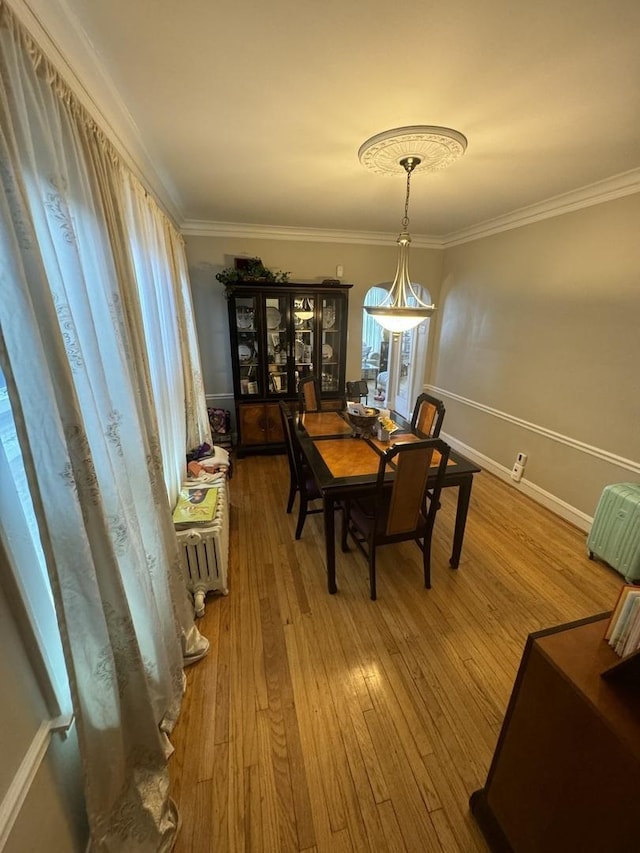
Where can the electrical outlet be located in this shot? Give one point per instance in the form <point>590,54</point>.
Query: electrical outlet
<point>521,459</point>
<point>517,472</point>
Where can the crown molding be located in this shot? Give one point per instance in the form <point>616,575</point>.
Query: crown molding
<point>60,36</point>
<point>65,43</point>
<point>203,228</point>
<point>626,183</point>
<point>623,184</point>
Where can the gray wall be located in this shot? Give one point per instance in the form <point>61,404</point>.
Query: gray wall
<point>363,265</point>
<point>535,344</point>
<point>541,324</point>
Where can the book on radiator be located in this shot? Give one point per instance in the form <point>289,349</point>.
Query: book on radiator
<point>196,505</point>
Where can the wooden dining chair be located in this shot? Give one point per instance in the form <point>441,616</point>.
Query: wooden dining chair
<point>357,390</point>
<point>400,511</point>
<point>310,400</point>
<point>428,414</point>
<point>309,393</point>
<point>301,479</point>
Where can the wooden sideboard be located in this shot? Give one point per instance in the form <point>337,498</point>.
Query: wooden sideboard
<point>565,776</point>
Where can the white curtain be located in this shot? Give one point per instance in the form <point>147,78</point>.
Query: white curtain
<point>78,370</point>
<point>169,329</point>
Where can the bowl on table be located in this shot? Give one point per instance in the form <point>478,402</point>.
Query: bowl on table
<point>364,424</point>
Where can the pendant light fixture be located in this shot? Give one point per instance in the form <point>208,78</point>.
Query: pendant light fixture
<point>409,149</point>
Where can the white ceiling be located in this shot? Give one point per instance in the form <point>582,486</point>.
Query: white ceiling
<point>253,111</point>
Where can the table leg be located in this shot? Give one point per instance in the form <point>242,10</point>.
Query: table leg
<point>330,543</point>
<point>464,495</point>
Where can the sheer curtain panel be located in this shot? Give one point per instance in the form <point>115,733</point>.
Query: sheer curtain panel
<point>77,365</point>
<point>157,254</point>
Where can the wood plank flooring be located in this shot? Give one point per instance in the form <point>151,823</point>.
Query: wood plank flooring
<point>323,723</point>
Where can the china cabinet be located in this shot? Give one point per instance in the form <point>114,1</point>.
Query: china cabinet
<point>280,333</point>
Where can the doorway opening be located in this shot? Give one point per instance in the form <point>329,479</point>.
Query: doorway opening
<point>393,364</point>
<point>375,348</point>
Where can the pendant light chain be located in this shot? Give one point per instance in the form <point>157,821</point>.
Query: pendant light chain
<point>409,164</point>
<point>405,220</point>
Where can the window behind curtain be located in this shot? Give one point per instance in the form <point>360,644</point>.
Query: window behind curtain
<point>21,539</point>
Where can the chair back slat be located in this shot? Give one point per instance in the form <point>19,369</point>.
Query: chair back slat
<point>428,414</point>
<point>407,496</point>
<point>310,400</point>
<point>426,417</point>
<point>309,395</point>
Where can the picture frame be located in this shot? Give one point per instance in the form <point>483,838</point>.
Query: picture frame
<point>244,263</point>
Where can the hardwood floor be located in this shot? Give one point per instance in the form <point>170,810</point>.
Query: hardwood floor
<point>334,723</point>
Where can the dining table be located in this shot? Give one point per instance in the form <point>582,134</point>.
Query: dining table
<point>345,465</point>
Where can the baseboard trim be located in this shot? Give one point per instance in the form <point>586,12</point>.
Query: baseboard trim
<point>17,792</point>
<point>574,516</point>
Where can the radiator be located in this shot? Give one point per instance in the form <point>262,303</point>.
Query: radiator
<point>205,553</point>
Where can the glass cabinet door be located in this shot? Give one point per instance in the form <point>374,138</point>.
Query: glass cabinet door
<point>277,344</point>
<point>248,345</point>
<point>331,355</point>
<point>283,335</point>
<point>304,326</point>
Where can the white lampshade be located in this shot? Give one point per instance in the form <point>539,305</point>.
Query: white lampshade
<point>396,312</point>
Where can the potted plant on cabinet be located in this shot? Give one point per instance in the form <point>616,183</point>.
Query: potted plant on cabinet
<point>251,269</point>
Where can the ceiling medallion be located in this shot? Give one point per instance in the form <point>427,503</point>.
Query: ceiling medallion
<point>434,147</point>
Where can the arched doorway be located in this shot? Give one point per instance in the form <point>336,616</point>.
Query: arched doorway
<point>393,365</point>
<point>375,345</point>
